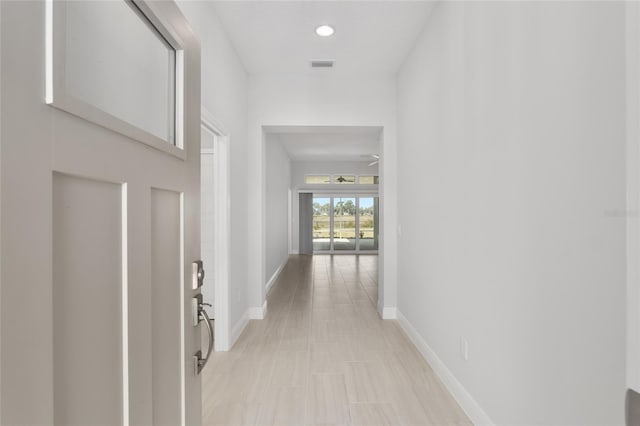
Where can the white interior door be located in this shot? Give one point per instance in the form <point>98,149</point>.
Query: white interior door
<point>99,213</point>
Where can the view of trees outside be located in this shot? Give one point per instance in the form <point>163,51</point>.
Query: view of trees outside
<point>344,230</point>
<point>348,207</point>
<point>321,223</point>
<point>368,223</point>
<point>344,223</point>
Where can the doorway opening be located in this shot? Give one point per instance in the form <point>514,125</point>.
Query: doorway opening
<point>333,161</point>
<point>214,226</point>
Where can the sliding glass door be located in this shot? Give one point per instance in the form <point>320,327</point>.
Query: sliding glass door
<point>321,223</point>
<point>345,223</point>
<point>368,223</point>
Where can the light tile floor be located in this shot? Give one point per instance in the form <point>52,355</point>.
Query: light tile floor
<point>324,357</point>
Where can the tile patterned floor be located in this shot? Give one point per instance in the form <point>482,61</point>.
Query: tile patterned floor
<point>324,357</point>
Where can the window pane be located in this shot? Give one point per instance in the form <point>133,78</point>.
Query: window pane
<point>344,223</point>
<point>368,217</point>
<point>321,224</point>
<point>368,180</point>
<point>317,179</point>
<point>344,179</point>
<point>116,61</point>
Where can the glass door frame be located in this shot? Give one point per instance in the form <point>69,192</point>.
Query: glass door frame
<point>355,195</point>
<point>375,224</point>
<point>356,200</point>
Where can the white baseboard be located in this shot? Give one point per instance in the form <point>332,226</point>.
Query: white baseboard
<point>274,277</point>
<point>467,403</point>
<point>258,313</point>
<point>237,329</point>
<point>250,313</point>
<point>294,252</point>
<point>389,313</point>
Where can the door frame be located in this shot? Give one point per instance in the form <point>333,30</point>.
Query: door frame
<point>632,213</point>
<point>221,225</point>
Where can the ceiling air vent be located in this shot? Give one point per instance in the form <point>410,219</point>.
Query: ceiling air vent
<point>322,64</point>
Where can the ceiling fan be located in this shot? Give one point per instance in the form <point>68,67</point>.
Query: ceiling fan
<point>376,159</point>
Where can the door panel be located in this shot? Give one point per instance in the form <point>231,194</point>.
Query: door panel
<point>321,223</point>
<point>368,223</point>
<point>87,302</point>
<point>344,223</point>
<point>81,222</point>
<point>306,228</point>
<point>165,307</point>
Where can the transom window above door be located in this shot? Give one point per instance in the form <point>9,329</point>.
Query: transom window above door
<point>342,179</point>
<point>317,179</point>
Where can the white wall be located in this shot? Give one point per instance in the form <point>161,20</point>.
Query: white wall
<point>224,96</point>
<point>322,99</point>
<point>511,121</point>
<point>278,184</point>
<point>299,169</point>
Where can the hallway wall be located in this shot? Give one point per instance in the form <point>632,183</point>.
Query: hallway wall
<point>320,98</point>
<point>224,95</point>
<point>278,183</point>
<point>511,200</point>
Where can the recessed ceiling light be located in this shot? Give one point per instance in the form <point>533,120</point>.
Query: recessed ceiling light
<point>325,30</point>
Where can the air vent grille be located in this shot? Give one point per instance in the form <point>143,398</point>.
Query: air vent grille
<point>322,64</point>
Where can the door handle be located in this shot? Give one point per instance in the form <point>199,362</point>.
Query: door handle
<point>199,361</point>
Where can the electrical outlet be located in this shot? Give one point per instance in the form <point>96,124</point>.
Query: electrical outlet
<point>464,348</point>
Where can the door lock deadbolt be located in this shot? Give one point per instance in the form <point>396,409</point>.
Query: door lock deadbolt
<point>197,273</point>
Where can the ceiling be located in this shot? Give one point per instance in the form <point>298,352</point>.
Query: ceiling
<point>328,143</point>
<point>279,36</point>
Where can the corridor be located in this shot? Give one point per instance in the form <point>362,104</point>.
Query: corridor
<point>323,356</point>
